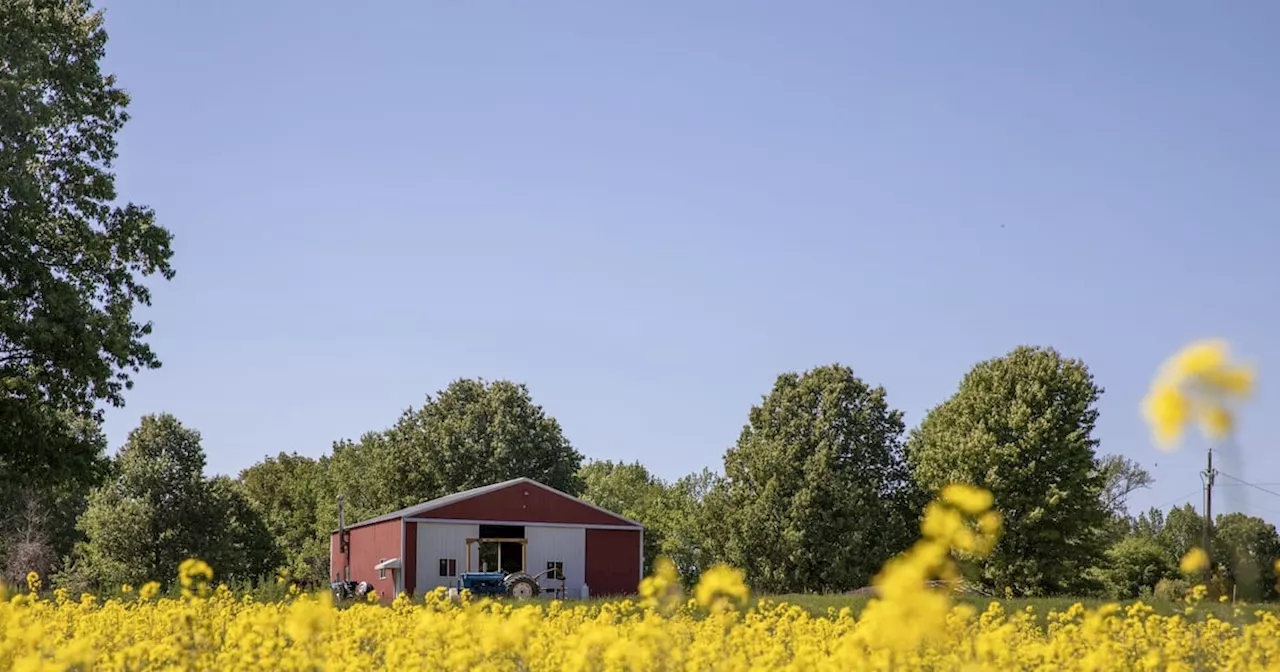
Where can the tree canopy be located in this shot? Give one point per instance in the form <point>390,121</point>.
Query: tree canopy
<point>816,491</point>
<point>159,510</point>
<point>286,492</point>
<point>1022,426</point>
<point>473,433</point>
<point>72,260</point>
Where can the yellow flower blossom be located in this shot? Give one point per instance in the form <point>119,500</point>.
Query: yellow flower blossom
<point>1198,384</point>
<point>1195,561</point>
<point>721,587</point>
<point>969,499</point>
<point>148,590</point>
<point>194,575</point>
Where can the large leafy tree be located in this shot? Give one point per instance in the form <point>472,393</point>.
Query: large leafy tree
<point>159,510</point>
<point>476,432</point>
<point>286,491</point>
<point>72,259</point>
<point>473,433</point>
<point>1180,530</point>
<point>816,492</point>
<point>239,543</point>
<point>1022,426</point>
<point>692,515</point>
<point>1247,547</point>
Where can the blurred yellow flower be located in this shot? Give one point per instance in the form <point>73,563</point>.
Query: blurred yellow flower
<point>970,499</point>
<point>1197,384</point>
<point>194,575</point>
<point>661,590</point>
<point>148,590</point>
<point>1196,560</point>
<point>721,587</point>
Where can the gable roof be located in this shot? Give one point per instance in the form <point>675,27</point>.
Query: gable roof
<point>418,510</point>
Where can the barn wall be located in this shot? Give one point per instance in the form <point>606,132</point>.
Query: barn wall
<point>558,544</point>
<point>525,503</point>
<point>441,540</point>
<point>613,561</point>
<point>370,545</point>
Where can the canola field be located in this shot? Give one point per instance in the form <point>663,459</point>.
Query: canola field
<point>908,626</point>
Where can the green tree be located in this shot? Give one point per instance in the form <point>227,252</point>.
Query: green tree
<point>1247,547</point>
<point>239,546</point>
<point>816,493</point>
<point>364,473</point>
<point>286,492</point>
<point>159,510</point>
<point>692,516</point>
<point>474,433</point>
<point>1134,565</point>
<point>72,260</point>
<point>1022,427</point>
<point>1180,530</point>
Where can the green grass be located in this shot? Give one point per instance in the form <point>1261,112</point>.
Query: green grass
<point>818,605</point>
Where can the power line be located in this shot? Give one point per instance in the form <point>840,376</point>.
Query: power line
<point>1255,486</point>
<point>1178,499</point>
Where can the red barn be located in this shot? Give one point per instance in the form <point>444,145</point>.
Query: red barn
<point>541,531</point>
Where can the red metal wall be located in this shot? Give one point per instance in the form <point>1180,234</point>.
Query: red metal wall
<point>523,503</point>
<point>370,545</point>
<point>613,561</point>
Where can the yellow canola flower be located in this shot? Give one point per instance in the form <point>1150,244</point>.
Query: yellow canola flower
<point>908,626</point>
<point>721,587</point>
<point>1195,561</point>
<point>1200,384</point>
<point>968,498</point>
<point>148,590</point>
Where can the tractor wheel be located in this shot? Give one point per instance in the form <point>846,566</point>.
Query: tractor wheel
<point>522,588</point>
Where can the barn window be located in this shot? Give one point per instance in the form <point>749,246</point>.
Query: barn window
<point>448,567</point>
<point>555,570</point>
<point>382,572</point>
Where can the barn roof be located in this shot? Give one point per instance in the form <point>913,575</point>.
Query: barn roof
<point>417,510</point>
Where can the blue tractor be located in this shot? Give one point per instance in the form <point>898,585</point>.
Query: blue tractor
<point>516,584</point>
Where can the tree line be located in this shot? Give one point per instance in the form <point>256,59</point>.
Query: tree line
<point>823,484</point>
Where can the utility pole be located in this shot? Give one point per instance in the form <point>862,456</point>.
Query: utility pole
<point>1208,474</point>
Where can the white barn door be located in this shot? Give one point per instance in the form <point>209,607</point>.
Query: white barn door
<point>566,545</point>
<point>442,554</point>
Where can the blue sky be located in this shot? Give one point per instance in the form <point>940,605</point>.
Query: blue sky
<point>646,211</point>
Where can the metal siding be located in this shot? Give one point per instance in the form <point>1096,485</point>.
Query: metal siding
<point>369,546</point>
<point>526,503</point>
<point>564,544</point>
<point>436,541</point>
<point>613,561</point>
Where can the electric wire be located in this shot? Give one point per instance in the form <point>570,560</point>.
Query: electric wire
<point>1255,486</point>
